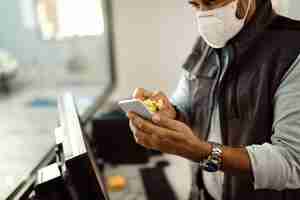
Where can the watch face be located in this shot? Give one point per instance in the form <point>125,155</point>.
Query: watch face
<point>214,160</point>
<point>211,167</point>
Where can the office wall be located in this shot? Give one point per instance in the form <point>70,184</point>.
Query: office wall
<point>153,38</point>
<point>287,7</point>
<point>293,9</point>
<point>281,6</point>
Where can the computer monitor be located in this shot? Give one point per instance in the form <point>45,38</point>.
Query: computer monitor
<point>82,171</point>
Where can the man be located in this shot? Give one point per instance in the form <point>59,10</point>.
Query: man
<point>236,111</point>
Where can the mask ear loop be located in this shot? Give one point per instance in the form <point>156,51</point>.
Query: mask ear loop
<point>248,10</point>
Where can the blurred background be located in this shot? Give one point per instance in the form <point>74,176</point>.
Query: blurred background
<point>49,47</point>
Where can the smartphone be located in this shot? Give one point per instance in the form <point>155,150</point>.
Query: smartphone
<point>136,106</point>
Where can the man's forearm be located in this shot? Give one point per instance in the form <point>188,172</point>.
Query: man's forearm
<point>235,160</point>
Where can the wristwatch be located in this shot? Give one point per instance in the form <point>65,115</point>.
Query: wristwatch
<point>214,161</point>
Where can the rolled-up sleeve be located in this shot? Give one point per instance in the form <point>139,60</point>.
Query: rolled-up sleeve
<point>277,165</point>
<point>181,97</point>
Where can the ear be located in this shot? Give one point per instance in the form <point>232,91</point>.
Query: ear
<point>240,9</point>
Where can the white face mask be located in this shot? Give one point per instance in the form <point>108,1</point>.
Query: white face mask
<point>219,25</point>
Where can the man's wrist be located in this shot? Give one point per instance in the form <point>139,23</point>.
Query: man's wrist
<point>202,151</point>
<point>215,159</point>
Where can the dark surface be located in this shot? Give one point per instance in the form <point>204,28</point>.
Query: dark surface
<point>114,140</point>
<point>52,190</point>
<point>81,179</point>
<point>156,184</point>
<point>78,182</point>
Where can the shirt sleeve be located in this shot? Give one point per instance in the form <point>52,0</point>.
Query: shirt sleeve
<point>277,165</point>
<point>181,97</point>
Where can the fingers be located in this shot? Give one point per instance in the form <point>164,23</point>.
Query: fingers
<point>166,108</point>
<point>133,129</point>
<point>158,95</point>
<point>146,126</point>
<point>163,121</point>
<point>141,93</point>
<point>156,136</point>
<point>145,139</point>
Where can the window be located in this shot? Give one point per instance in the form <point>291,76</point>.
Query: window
<point>68,18</point>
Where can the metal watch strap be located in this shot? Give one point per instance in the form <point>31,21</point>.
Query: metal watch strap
<point>214,161</point>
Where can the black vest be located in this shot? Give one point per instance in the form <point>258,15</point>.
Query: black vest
<point>256,61</point>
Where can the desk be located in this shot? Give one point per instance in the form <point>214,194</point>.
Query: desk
<point>177,173</point>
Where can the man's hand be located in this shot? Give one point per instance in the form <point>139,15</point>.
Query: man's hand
<point>168,136</point>
<point>167,108</point>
